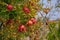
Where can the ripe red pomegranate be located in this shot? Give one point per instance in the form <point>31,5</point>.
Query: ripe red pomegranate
<point>21,28</point>
<point>29,22</point>
<point>33,20</point>
<point>26,9</point>
<point>9,7</point>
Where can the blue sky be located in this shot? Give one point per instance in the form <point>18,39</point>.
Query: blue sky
<point>53,14</point>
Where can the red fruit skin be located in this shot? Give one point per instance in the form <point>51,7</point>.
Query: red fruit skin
<point>29,22</point>
<point>26,9</point>
<point>9,7</point>
<point>21,28</point>
<point>33,20</point>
